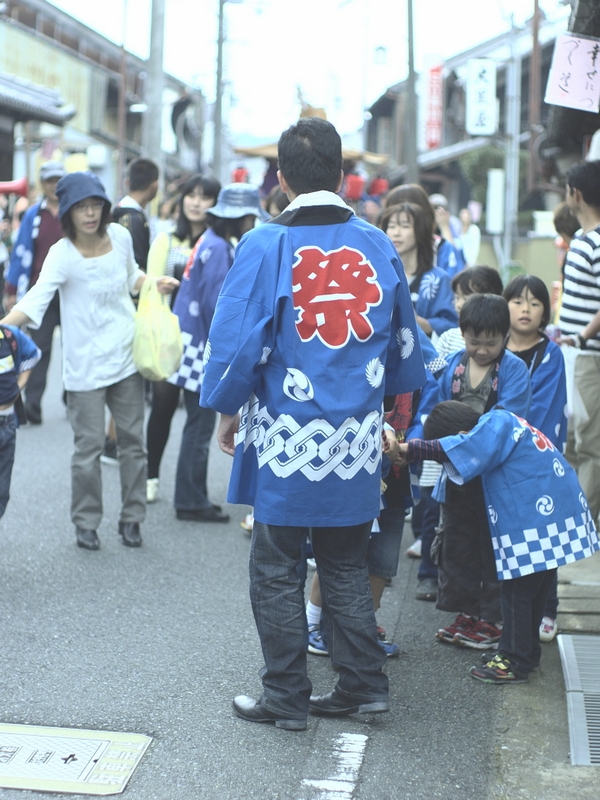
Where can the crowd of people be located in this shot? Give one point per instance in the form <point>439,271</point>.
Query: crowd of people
<point>300,322</point>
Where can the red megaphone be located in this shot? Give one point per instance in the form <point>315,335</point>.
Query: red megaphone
<point>20,187</point>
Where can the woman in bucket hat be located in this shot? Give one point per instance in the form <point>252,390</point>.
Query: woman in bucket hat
<point>237,210</point>
<point>94,271</point>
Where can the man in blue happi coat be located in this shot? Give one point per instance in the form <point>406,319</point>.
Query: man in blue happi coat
<point>313,327</point>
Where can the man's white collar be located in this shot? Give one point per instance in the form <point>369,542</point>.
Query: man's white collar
<point>322,198</point>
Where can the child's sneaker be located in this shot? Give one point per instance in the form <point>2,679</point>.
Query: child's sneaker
<point>548,628</point>
<point>414,551</point>
<point>460,624</point>
<point>481,636</point>
<point>491,655</point>
<point>316,645</point>
<point>391,650</point>
<point>498,670</point>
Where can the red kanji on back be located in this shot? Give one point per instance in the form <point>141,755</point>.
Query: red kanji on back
<point>334,292</point>
<point>540,440</point>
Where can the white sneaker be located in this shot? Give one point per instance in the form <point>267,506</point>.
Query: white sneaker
<point>248,523</point>
<point>548,628</point>
<point>151,490</point>
<point>414,551</point>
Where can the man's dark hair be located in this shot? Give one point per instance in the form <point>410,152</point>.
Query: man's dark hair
<point>536,287</point>
<point>485,313</point>
<point>141,173</point>
<point>477,280</point>
<point>565,221</point>
<point>420,222</point>
<point>209,187</point>
<point>586,178</point>
<point>449,418</point>
<point>66,221</point>
<point>310,156</point>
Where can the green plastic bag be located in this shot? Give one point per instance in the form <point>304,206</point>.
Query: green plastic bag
<point>157,344</point>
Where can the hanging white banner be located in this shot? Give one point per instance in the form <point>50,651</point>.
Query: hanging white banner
<point>481,97</point>
<point>574,79</point>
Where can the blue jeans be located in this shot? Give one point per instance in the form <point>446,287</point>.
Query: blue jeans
<point>278,605</point>
<point>523,604</point>
<point>190,484</point>
<point>8,436</point>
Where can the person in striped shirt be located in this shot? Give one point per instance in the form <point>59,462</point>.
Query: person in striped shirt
<point>580,324</point>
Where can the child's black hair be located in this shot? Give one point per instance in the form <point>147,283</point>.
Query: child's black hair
<point>536,287</point>
<point>485,313</point>
<point>477,280</point>
<point>449,418</point>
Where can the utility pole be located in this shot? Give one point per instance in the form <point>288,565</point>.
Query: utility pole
<point>154,88</point>
<point>535,80</point>
<point>511,156</point>
<point>218,115</point>
<point>122,108</point>
<point>410,114</point>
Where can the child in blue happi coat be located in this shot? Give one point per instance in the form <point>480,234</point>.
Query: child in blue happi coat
<point>480,376</point>
<point>538,516</point>
<point>529,306</point>
<point>18,355</point>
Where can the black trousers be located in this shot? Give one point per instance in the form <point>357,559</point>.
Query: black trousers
<point>467,570</point>
<point>523,605</point>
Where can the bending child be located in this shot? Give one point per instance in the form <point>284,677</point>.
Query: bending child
<point>480,376</point>
<point>537,512</point>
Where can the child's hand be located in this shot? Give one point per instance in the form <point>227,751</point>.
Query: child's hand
<point>402,456</point>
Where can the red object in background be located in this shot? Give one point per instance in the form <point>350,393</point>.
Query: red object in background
<point>435,108</point>
<point>354,187</point>
<point>378,187</point>
<point>240,175</point>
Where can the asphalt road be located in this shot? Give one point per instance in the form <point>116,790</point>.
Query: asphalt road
<point>158,640</point>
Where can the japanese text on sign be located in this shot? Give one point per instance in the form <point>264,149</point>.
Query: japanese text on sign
<point>574,79</point>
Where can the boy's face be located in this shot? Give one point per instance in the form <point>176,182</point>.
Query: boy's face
<point>484,348</point>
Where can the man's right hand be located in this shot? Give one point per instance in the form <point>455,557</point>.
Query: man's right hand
<point>9,300</point>
<point>228,427</point>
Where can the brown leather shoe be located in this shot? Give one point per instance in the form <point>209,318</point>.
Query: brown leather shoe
<point>130,533</point>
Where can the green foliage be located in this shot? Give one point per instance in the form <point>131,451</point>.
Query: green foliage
<point>475,165</point>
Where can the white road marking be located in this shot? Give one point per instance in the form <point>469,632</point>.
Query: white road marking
<point>349,751</point>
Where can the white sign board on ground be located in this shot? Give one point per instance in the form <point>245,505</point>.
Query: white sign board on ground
<point>68,760</point>
<point>574,79</point>
<point>481,97</point>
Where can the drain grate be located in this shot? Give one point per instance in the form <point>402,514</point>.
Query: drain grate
<point>580,656</point>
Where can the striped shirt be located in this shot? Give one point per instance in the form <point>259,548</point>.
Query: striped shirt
<point>581,291</point>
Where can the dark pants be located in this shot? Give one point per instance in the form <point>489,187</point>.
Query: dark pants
<point>36,384</point>
<point>8,430</point>
<point>165,398</point>
<point>551,609</point>
<point>430,521</point>
<point>467,569</point>
<point>278,605</point>
<point>523,604</point>
<point>190,485</point>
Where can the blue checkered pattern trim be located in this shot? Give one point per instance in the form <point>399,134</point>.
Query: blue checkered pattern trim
<point>545,549</point>
<point>189,374</point>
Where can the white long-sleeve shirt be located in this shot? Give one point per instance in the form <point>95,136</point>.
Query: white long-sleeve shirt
<point>97,313</point>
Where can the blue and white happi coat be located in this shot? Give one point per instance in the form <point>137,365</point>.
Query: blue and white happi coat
<point>313,326</point>
<point>537,511</point>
